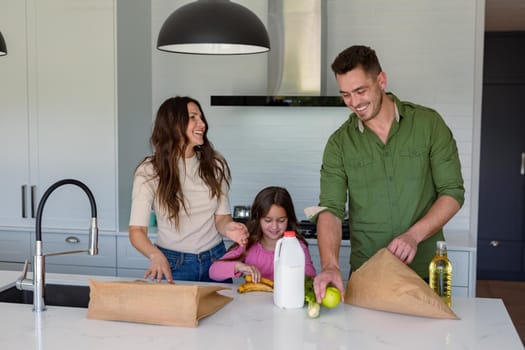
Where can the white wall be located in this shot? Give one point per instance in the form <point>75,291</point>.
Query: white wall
<point>429,50</point>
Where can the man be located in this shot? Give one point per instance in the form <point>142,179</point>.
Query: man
<point>397,164</point>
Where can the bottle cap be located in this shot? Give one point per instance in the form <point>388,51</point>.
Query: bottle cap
<point>441,245</point>
<point>289,233</point>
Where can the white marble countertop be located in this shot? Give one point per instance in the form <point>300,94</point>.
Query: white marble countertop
<point>251,321</point>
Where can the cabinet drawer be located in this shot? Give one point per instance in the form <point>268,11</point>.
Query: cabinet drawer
<point>460,267</point>
<point>344,259</point>
<point>128,257</point>
<point>131,273</point>
<point>61,242</point>
<point>15,246</point>
<point>81,270</point>
<point>459,291</point>
<point>12,266</point>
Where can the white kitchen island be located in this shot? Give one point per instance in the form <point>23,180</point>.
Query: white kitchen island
<point>251,321</point>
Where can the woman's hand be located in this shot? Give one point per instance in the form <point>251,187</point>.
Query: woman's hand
<point>235,231</point>
<point>158,268</point>
<point>248,270</point>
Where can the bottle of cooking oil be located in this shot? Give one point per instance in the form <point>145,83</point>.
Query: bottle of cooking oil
<point>440,273</point>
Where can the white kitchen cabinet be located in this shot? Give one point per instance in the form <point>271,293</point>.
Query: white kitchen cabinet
<point>79,263</point>
<point>463,271</point>
<point>14,121</point>
<point>130,262</point>
<point>344,257</point>
<point>15,249</point>
<point>18,246</point>
<point>58,98</point>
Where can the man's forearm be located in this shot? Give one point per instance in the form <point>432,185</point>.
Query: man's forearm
<point>329,235</point>
<point>443,209</point>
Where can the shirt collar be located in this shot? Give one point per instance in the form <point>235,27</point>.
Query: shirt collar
<point>361,126</point>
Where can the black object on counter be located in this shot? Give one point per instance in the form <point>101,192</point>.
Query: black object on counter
<point>309,229</point>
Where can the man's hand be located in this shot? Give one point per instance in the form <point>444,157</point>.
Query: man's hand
<point>404,247</point>
<point>321,281</point>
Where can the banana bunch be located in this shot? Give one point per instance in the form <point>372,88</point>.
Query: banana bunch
<point>265,285</point>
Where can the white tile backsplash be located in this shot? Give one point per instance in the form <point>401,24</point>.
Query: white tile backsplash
<point>427,49</point>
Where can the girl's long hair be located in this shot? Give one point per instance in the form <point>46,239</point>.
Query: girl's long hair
<point>169,143</point>
<point>261,205</point>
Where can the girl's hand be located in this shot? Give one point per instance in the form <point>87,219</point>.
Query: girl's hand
<point>237,232</point>
<point>248,270</point>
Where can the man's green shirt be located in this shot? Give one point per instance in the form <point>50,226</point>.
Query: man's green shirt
<point>390,186</point>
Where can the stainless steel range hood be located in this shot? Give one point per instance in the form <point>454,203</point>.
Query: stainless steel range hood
<point>297,59</point>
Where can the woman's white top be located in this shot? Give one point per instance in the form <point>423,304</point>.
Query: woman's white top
<point>196,232</point>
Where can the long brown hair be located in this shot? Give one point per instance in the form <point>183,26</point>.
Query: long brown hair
<point>169,142</point>
<point>261,205</point>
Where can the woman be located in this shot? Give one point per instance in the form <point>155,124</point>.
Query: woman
<point>186,182</point>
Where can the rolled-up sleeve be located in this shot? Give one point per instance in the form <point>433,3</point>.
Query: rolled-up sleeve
<point>142,197</point>
<point>333,185</point>
<point>445,163</point>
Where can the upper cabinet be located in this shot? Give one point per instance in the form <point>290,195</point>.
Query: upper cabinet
<point>14,119</point>
<point>58,114</point>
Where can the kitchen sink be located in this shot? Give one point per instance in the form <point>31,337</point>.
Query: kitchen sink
<point>55,294</point>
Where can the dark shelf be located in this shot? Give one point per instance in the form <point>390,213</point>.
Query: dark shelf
<point>277,101</point>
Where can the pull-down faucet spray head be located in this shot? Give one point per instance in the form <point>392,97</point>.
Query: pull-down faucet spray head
<point>38,282</point>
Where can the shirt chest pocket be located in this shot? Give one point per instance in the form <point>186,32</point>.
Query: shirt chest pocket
<point>362,171</point>
<point>413,163</point>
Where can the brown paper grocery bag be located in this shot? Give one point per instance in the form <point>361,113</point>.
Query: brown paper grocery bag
<point>385,283</point>
<point>155,303</point>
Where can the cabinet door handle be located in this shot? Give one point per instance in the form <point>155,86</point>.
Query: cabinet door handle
<point>33,196</point>
<point>494,244</point>
<point>72,240</point>
<point>24,188</point>
<point>522,168</point>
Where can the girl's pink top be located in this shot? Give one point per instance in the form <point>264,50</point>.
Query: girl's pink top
<point>258,257</point>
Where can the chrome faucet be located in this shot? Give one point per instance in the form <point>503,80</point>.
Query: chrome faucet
<point>37,284</point>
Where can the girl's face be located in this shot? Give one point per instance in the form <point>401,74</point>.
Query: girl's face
<point>274,223</point>
<point>195,129</point>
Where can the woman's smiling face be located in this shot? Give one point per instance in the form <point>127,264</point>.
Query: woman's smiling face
<point>195,128</point>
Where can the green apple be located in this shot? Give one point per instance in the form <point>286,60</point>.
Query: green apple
<point>332,297</point>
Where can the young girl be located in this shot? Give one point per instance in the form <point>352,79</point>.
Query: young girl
<point>272,213</point>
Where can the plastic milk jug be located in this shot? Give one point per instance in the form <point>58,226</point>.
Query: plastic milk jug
<point>288,267</point>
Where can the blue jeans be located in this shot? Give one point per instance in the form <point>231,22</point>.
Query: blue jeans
<point>193,267</point>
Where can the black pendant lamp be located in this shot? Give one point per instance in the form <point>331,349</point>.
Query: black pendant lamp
<point>213,27</point>
<point>3,48</point>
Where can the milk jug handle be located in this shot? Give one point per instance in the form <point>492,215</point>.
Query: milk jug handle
<point>277,251</point>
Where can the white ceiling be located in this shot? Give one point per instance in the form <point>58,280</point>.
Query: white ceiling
<point>504,15</point>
